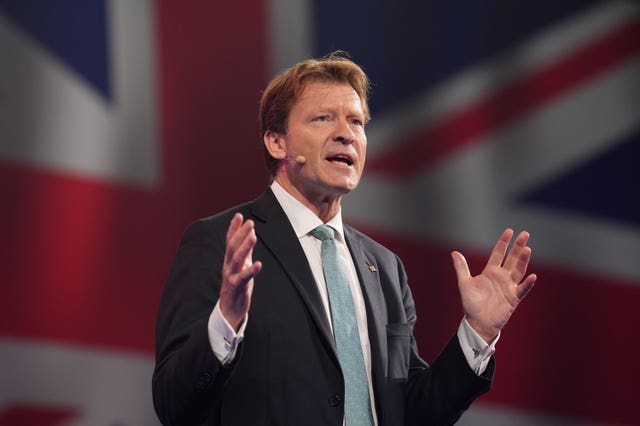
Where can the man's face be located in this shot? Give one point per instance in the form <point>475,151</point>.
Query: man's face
<point>326,126</point>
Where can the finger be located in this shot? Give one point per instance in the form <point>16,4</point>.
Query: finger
<point>240,279</point>
<point>236,239</point>
<point>525,287</point>
<point>242,253</point>
<point>247,274</point>
<point>461,266</point>
<point>234,225</point>
<point>240,234</point>
<point>521,265</point>
<point>499,250</point>
<point>513,257</point>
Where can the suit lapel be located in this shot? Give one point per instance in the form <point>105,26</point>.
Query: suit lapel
<point>368,274</point>
<point>275,231</point>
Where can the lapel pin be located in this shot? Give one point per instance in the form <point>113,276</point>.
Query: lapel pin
<point>372,268</point>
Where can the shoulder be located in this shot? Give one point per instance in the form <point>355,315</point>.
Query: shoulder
<point>360,239</point>
<point>215,226</point>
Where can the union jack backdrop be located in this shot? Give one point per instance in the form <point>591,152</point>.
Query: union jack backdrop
<point>123,121</point>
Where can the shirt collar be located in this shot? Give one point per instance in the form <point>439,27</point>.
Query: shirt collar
<point>301,217</point>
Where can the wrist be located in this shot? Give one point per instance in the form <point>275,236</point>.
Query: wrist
<point>233,320</point>
<point>488,334</point>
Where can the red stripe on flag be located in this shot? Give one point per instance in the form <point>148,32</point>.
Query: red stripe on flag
<point>85,261</point>
<point>30,415</point>
<point>440,139</point>
<point>565,352</point>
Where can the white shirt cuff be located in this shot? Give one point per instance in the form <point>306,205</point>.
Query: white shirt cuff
<point>475,349</point>
<point>222,337</point>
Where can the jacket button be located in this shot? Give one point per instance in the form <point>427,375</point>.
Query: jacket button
<point>335,400</point>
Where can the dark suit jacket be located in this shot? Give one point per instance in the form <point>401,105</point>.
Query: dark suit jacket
<point>286,371</point>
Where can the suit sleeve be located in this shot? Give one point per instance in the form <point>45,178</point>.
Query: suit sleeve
<point>438,394</point>
<point>188,378</point>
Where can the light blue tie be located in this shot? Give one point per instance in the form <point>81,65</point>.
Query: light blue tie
<point>357,406</point>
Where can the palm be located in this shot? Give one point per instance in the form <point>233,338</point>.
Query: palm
<point>238,271</point>
<point>489,299</point>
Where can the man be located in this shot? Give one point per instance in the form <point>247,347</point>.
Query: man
<point>253,329</point>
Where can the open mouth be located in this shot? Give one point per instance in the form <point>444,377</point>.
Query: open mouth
<point>341,158</point>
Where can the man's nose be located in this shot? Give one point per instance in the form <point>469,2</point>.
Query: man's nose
<point>343,132</point>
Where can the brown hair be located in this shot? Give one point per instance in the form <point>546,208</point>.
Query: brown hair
<point>285,88</point>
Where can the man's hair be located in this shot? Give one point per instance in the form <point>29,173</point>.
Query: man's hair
<point>285,88</point>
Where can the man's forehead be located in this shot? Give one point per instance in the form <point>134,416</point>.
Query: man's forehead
<point>322,93</point>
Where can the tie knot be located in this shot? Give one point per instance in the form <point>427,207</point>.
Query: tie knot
<point>323,232</point>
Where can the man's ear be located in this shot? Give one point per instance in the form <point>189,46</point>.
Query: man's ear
<point>275,144</point>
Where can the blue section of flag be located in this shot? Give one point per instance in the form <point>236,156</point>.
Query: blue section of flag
<point>74,30</point>
<point>605,187</point>
<point>407,46</point>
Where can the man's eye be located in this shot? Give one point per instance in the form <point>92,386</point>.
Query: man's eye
<point>357,122</point>
<point>322,118</point>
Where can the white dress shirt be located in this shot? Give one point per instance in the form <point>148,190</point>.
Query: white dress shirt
<point>224,340</point>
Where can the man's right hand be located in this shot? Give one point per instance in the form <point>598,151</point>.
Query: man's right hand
<point>238,271</point>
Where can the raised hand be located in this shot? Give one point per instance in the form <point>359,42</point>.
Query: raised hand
<point>238,271</point>
<point>490,298</point>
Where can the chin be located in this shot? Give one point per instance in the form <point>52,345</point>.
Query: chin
<point>348,188</point>
<point>342,186</point>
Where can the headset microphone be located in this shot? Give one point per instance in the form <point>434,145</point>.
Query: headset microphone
<point>299,159</point>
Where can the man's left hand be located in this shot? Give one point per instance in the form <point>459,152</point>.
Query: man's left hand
<point>490,298</point>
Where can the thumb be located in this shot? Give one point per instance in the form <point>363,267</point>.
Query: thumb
<point>460,265</point>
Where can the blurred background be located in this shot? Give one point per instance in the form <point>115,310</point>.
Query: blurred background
<point>123,121</point>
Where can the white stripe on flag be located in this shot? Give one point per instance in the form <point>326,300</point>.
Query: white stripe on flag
<point>106,387</point>
<point>52,118</point>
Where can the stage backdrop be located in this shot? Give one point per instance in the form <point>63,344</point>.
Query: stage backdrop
<point>123,121</point>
